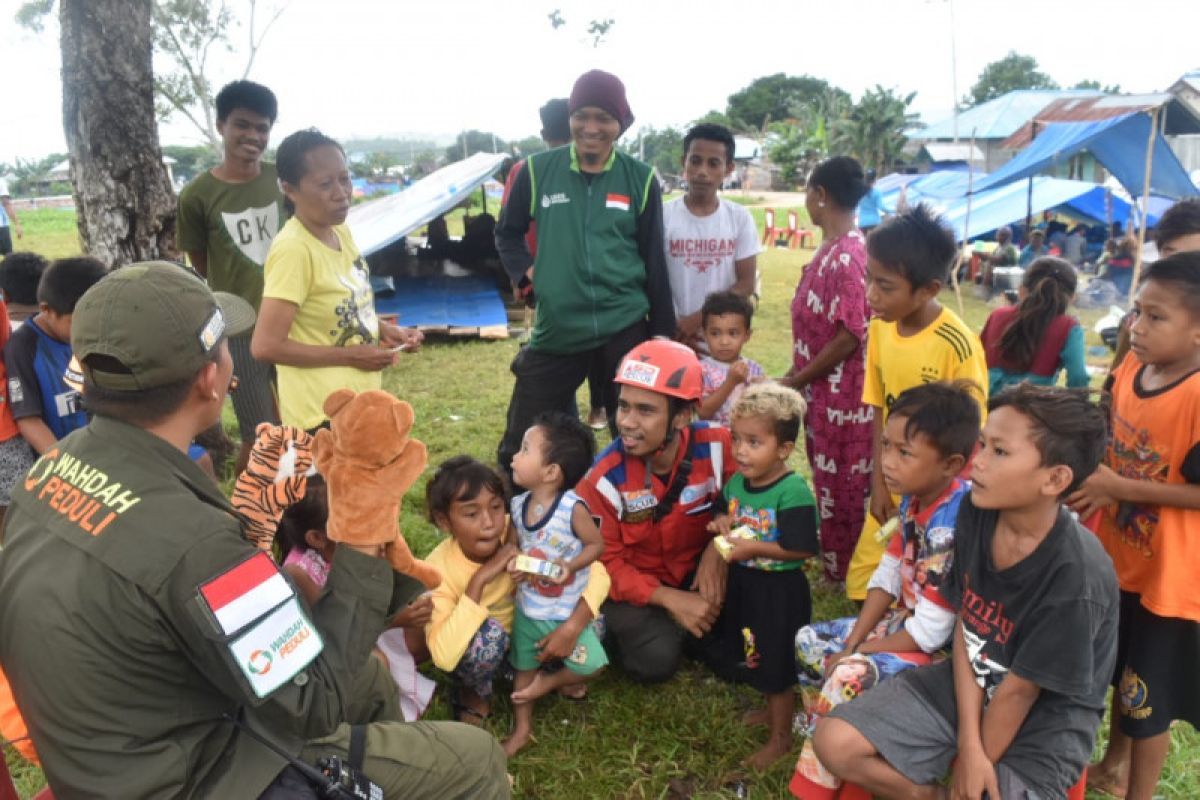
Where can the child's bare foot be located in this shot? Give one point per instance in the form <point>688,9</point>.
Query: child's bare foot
<point>469,707</point>
<point>756,716</point>
<point>776,748</point>
<point>1111,781</point>
<point>540,686</point>
<point>517,740</point>
<point>577,691</point>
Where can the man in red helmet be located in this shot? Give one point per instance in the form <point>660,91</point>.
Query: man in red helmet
<point>654,489</point>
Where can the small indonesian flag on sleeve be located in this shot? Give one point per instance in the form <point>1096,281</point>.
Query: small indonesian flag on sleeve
<point>618,201</point>
<point>246,592</point>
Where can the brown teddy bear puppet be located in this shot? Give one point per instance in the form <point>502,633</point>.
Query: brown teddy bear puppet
<point>369,462</point>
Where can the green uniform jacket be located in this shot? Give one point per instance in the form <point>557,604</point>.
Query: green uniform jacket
<point>117,668</point>
<point>600,263</point>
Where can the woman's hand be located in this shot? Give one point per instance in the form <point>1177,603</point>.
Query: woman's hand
<point>368,357</point>
<point>407,339</point>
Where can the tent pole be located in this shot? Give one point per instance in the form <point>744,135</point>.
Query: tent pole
<point>966,230</point>
<point>1145,215</point>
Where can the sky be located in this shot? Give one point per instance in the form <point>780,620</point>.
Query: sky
<point>361,68</point>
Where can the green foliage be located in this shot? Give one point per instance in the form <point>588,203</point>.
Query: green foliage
<point>528,146</point>
<point>30,176</point>
<point>475,142</point>
<point>873,130</point>
<point>190,160</point>
<point>372,165</point>
<point>721,118</point>
<point>778,97</point>
<point>794,150</point>
<point>1108,88</point>
<point>1012,72</point>
<point>661,148</point>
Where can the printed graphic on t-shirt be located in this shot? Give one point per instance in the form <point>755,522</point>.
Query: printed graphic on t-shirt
<point>355,314</point>
<point>252,230</point>
<point>701,254</point>
<point>986,631</point>
<point>926,559</point>
<point>1136,458</point>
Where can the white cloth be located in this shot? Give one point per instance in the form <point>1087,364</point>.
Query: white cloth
<point>416,690</point>
<point>701,251</point>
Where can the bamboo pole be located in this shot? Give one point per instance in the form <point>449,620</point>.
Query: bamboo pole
<point>1141,238</point>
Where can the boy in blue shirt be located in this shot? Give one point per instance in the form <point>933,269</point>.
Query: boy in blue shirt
<point>37,356</point>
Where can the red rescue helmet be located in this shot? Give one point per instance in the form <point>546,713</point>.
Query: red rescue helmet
<point>662,366</point>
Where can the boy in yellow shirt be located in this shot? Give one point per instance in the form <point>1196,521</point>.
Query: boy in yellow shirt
<point>912,340</point>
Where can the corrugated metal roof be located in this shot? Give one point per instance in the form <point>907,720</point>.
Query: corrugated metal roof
<point>1179,118</point>
<point>948,151</point>
<point>999,118</point>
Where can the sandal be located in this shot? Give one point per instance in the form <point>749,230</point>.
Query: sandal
<point>461,711</point>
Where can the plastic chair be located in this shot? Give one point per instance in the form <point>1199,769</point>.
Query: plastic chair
<point>770,232</point>
<point>795,235</point>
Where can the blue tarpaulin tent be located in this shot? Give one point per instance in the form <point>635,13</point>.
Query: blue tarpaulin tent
<point>1005,204</point>
<point>1119,143</point>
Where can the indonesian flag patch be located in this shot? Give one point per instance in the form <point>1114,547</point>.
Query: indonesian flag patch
<point>246,592</point>
<point>617,201</point>
<point>273,639</point>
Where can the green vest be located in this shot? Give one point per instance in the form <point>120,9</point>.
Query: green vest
<point>589,277</point>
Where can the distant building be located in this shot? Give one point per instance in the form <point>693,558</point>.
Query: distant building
<point>991,123</point>
<point>1187,91</point>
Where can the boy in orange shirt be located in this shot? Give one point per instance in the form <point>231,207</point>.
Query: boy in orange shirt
<point>1149,492</point>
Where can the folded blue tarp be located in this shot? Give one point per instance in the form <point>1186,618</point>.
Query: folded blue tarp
<point>443,302</point>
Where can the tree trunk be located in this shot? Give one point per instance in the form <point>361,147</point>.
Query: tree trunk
<point>123,197</point>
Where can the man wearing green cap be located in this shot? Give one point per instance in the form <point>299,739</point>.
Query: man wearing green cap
<point>145,637</point>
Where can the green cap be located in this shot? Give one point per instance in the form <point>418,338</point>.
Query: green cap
<point>158,319</point>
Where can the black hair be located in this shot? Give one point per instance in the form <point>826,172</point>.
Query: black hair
<point>309,513</point>
<point>1182,272</point>
<point>569,443</point>
<point>727,302</point>
<point>1181,219</point>
<point>915,244</point>
<point>711,132</point>
<point>1049,284</point>
<point>842,179</point>
<point>19,277</point>
<point>65,281</point>
<point>1067,428</point>
<point>248,95</point>
<point>140,407</point>
<point>460,479</point>
<point>946,413</point>
<point>289,158</point>
<point>556,120</point>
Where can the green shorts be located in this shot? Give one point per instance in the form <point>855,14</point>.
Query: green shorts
<point>587,658</point>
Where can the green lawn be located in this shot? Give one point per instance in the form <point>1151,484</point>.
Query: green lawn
<point>681,740</point>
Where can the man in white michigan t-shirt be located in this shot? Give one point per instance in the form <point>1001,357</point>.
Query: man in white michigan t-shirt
<point>712,245</point>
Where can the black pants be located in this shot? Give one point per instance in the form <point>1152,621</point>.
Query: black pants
<point>646,642</point>
<point>548,382</point>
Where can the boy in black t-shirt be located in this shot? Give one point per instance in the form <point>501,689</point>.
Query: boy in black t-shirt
<point>1034,646</point>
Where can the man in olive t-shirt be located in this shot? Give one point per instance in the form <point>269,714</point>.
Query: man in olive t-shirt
<point>227,219</point>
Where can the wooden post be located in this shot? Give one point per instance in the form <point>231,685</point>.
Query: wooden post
<point>1141,238</point>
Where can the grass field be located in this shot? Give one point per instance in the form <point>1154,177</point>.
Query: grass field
<point>680,740</point>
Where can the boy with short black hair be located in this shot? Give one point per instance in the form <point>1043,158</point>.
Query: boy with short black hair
<point>37,356</point>
<point>20,274</point>
<point>912,340</point>
<point>228,217</point>
<point>1149,493</point>
<point>726,329</point>
<point>1035,639</point>
<point>928,439</point>
<point>711,245</point>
